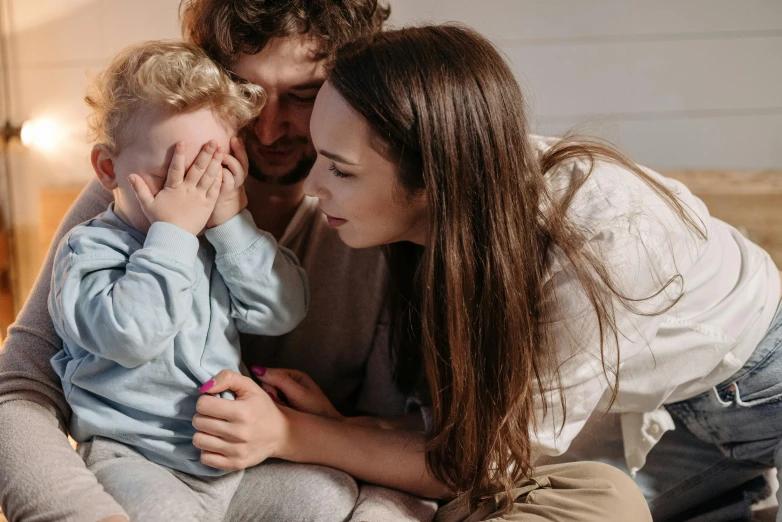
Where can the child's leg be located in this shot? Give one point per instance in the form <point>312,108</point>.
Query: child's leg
<point>280,490</point>
<point>213,494</point>
<point>147,491</point>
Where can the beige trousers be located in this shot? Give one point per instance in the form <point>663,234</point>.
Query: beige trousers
<point>572,492</point>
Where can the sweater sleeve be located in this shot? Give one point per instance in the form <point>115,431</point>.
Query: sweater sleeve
<point>41,477</point>
<point>123,308</point>
<point>268,287</point>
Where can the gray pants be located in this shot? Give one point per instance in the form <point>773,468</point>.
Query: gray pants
<point>282,491</point>
<point>274,490</point>
<point>149,491</point>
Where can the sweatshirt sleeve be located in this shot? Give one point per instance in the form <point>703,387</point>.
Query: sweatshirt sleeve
<point>41,477</point>
<point>123,308</point>
<point>268,287</point>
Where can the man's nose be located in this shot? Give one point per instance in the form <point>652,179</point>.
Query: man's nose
<point>271,124</point>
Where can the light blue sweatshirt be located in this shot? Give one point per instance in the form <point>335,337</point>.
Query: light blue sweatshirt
<point>146,320</point>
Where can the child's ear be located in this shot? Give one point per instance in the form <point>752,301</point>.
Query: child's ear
<point>103,163</point>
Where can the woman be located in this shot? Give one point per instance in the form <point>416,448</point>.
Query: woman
<point>536,282</point>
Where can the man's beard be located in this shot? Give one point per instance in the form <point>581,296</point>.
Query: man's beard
<point>300,171</point>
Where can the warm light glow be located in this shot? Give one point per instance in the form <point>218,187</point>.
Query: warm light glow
<point>42,133</point>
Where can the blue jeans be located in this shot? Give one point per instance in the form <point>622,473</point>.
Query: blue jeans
<point>724,438</point>
<point>742,416</point>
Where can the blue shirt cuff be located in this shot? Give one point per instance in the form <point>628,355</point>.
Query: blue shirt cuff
<point>173,242</point>
<point>236,235</point>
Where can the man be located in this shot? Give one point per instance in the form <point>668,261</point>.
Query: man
<point>284,47</point>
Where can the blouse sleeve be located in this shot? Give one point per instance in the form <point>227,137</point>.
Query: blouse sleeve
<point>646,247</point>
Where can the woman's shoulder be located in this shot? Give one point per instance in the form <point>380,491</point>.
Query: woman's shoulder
<point>609,195</point>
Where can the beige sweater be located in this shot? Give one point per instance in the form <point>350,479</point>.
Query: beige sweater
<point>342,344</point>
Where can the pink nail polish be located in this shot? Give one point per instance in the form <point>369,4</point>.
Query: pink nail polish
<point>208,385</point>
<point>260,371</point>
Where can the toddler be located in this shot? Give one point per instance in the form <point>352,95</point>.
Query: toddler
<point>150,296</point>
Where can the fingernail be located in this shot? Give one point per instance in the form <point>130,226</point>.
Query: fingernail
<point>260,371</point>
<point>208,385</point>
<point>273,396</point>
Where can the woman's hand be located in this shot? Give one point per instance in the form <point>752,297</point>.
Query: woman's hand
<point>299,390</point>
<point>240,433</point>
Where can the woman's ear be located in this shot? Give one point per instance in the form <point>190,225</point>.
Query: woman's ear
<point>103,163</point>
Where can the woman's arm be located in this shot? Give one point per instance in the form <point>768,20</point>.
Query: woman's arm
<point>42,478</point>
<point>241,433</point>
<point>389,457</point>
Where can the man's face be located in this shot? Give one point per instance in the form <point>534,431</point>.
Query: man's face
<point>278,142</point>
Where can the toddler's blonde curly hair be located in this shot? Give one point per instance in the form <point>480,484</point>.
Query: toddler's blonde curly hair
<point>175,77</point>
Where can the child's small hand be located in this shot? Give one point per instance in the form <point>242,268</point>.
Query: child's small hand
<point>186,201</point>
<point>232,198</point>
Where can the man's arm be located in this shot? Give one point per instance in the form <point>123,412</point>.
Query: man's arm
<point>41,477</point>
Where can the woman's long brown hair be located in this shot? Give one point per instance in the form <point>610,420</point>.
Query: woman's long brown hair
<point>468,308</point>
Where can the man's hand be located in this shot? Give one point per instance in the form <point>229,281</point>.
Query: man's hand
<point>232,198</point>
<point>186,201</point>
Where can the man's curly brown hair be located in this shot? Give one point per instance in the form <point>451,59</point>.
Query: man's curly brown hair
<point>226,28</point>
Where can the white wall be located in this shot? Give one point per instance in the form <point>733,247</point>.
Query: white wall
<point>54,46</point>
<point>677,83</point>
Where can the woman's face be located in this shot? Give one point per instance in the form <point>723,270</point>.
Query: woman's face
<point>357,186</point>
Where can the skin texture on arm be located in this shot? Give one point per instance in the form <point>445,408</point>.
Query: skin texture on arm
<point>42,478</point>
<point>388,457</point>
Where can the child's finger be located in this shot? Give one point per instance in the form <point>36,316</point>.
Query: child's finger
<point>214,190</point>
<point>236,169</point>
<point>141,190</point>
<point>201,163</point>
<point>213,170</point>
<point>176,169</point>
<point>228,179</point>
<point>240,153</point>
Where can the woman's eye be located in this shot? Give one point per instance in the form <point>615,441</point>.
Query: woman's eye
<point>333,168</point>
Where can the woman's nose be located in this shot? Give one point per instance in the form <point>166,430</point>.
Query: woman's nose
<point>313,185</point>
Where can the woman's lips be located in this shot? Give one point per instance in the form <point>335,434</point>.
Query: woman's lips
<point>335,222</point>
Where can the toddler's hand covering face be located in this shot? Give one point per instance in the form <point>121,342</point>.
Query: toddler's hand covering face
<point>232,198</point>
<point>186,200</point>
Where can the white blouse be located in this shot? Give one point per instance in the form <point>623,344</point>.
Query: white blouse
<point>730,290</point>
